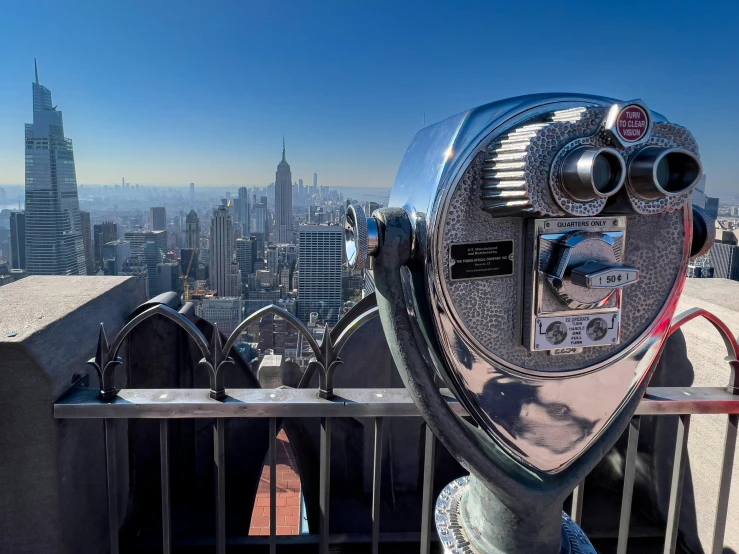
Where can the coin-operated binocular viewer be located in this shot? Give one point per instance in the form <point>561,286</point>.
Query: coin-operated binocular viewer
<point>530,261</point>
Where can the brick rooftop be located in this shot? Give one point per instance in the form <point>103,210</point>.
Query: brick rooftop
<point>288,494</point>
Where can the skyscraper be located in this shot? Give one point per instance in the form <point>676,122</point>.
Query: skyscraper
<point>103,233</point>
<point>245,254</point>
<point>244,211</point>
<point>158,219</point>
<point>259,218</point>
<point>192,230</point>
<point>17,240</point>
<point>320,261</point>
<point>222,253</point>
<point>315,184</point>
<point>283,201</point>
<point>87,242</point>
<point>54,243</point>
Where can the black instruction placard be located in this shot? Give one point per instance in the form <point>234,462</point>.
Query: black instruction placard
<point>478,260</point>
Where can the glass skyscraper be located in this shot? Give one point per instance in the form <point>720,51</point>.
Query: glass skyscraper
<point>54,244</point>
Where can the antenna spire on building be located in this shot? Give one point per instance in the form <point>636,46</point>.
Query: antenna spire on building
<point>283,148</point>
<point>35,67</point>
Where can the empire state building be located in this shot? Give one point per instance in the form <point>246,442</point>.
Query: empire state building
<point>283,202</point>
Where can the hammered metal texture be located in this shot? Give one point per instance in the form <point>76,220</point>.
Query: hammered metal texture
<point>490,310</point>
<point>520,172</point>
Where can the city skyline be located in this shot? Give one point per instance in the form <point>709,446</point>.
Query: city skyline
<point>198,100</point>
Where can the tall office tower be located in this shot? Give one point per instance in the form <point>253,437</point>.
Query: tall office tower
<point>273,259</point>
<point>192,196</point>
<point>283,201</point>
<point>315,184</point>
<point>712,206</point>
<point>158,219</point>
<point>103,233</point>
<point>244,211</point>
<point>87,242</point>
<point>153,256</point>
<point>259,219</point>
<point>17,240</point>
<point>245,256</point>
<point>53,228</point>
<point>192,230</point>
<point>222,252</point>
<point>320,261</point>
<point>300,187</point>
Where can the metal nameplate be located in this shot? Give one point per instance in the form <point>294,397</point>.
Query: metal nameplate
<point>481,260</point>
<point>576,331</point>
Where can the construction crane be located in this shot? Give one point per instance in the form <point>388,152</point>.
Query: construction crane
<point>186,276</point>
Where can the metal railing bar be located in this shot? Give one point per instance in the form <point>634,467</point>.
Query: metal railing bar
<point>628,493</point>
<point>676,484</point>
<point>272,485</point>
<point>376,486</point>
<point>164,462</point>
<point>288,540</point>
<point>324,495</point>
<point>428,501</point>
<point>239,403</point>
<point>722,506</point>
<point>112,481</point>
<point>577,498</point>
<point>219,456</point>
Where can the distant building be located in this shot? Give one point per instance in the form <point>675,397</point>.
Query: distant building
<point>725,261</point>
<point>712,206</point>
<point>283,202</point>
<point>103,233</point>
<point>226,312</point>
<point>245,254</point>
<point>320,260</point>
<point>187,254</point>
<point>158,219</point>
<point>87,242</point>
<point>117,253</point>
<point>168,278</point>
<point>273,259</point>
<point>17,240</point>
<point>54,243</point>
<point>153,256</point>
<point>259,219</point>
<point>138,240</point>
<point>192,230</point>
<point>244,211</point>
<point>9,275</point>
<point>223,279</point>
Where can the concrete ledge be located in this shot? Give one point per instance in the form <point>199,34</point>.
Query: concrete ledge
<point>53,489</point>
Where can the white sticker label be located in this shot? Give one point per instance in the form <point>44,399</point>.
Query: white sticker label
<point>576,331</point>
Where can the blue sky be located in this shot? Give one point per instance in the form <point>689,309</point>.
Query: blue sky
<point>172,92</point>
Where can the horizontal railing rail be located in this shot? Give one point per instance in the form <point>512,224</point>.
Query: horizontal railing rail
<point>287,402</point>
